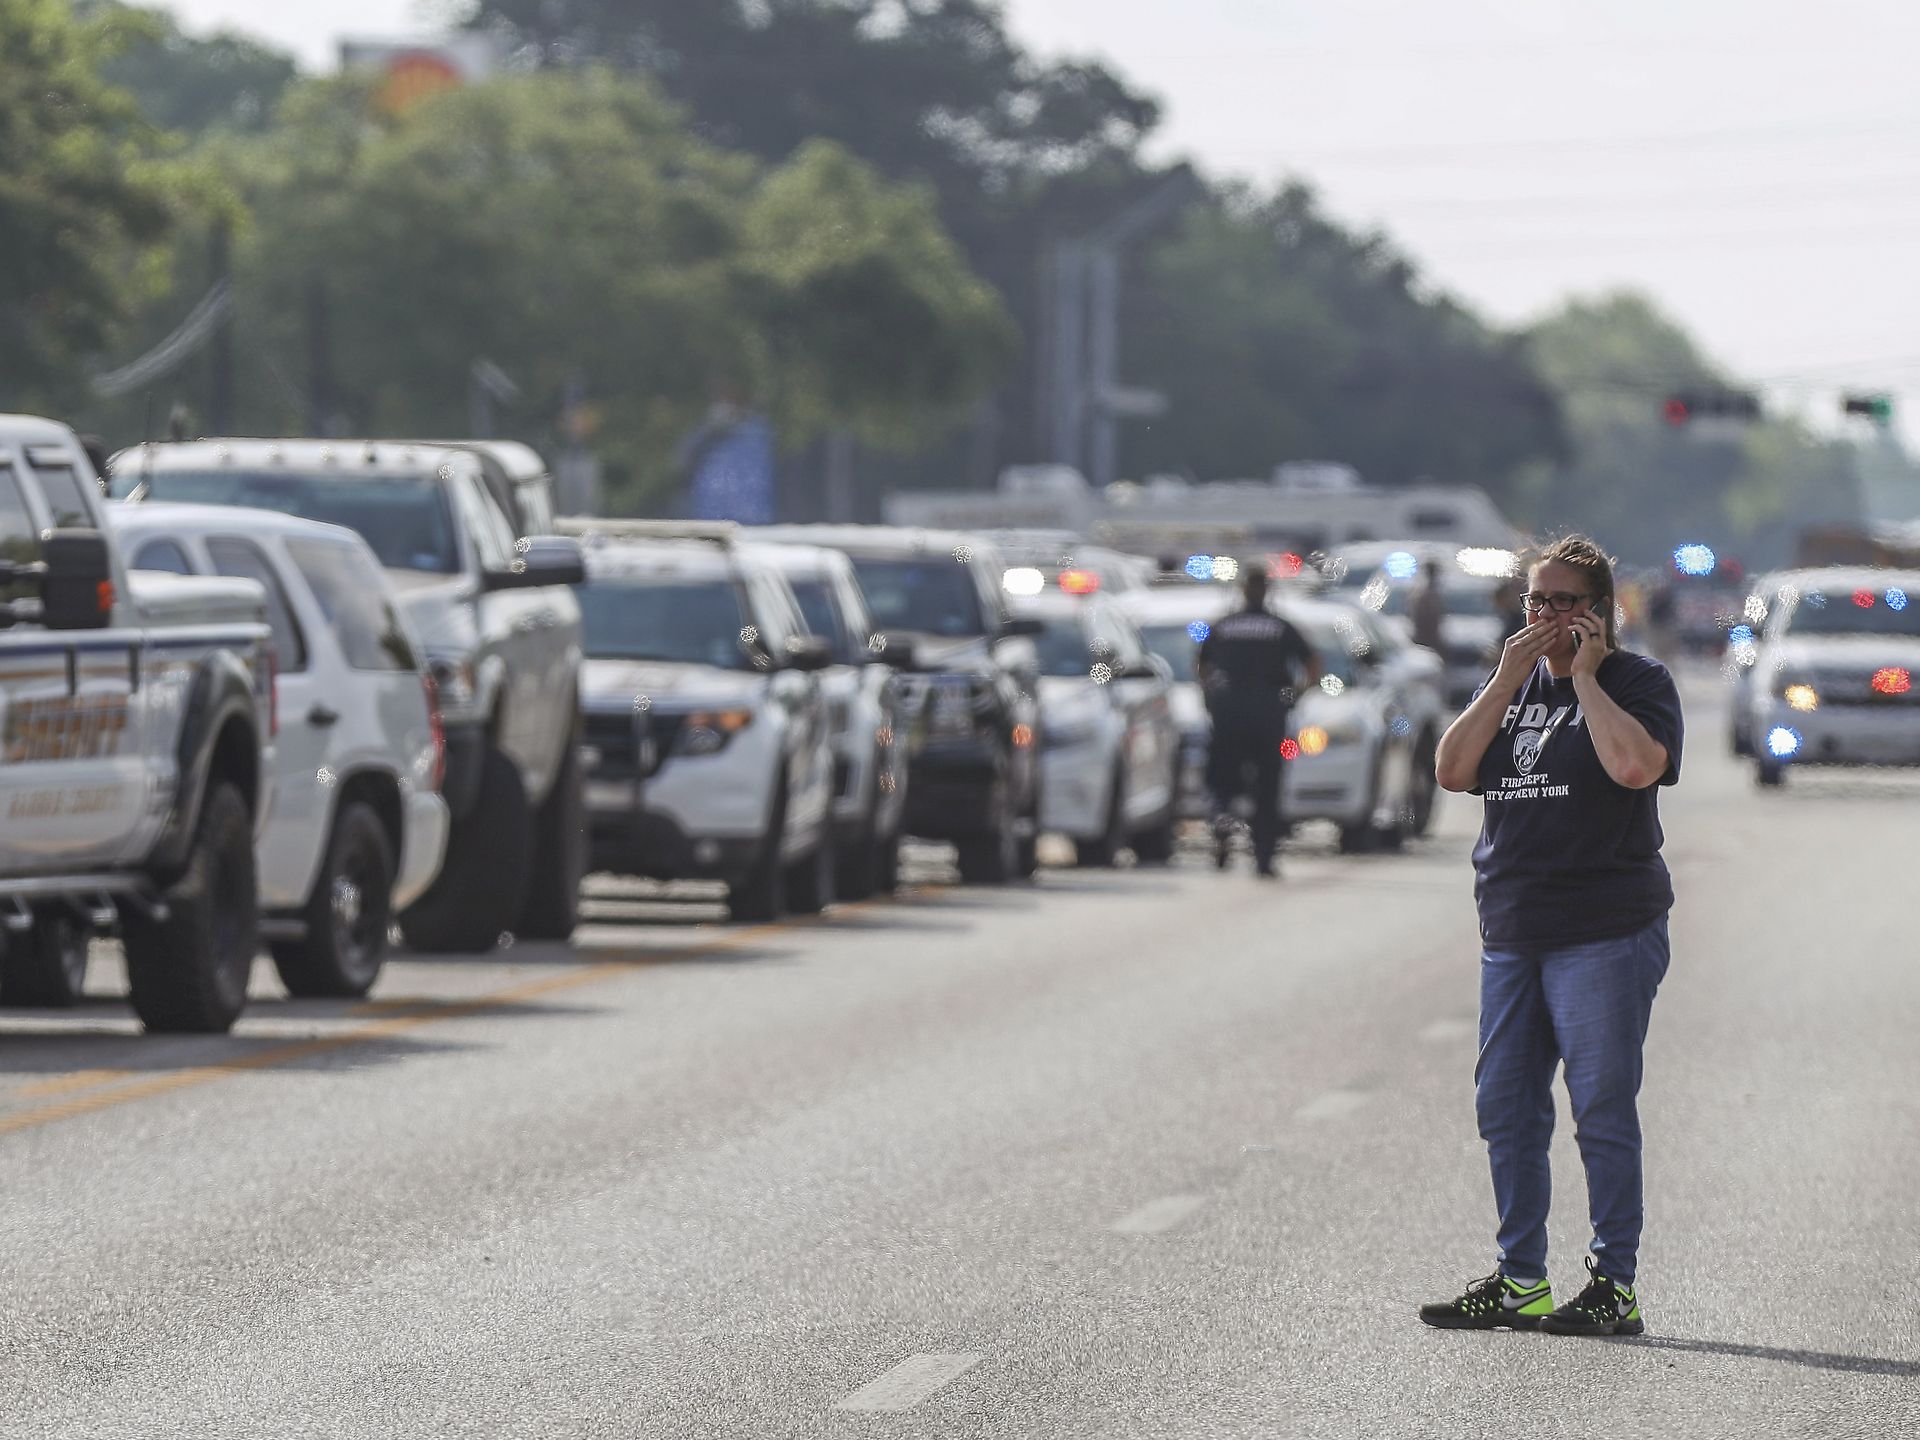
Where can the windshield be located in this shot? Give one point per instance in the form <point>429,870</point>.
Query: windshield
<point>1885,611</point>
<point>403,517</point>
<point>935,596</point>
<point>822,617</point>
<point>1456,601</point>
<point>1176,645</point>
<point>682,623</point>
<point>1063,648</point>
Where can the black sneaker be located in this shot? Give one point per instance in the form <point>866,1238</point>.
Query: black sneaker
<point>1603,1308</point>
<point>1495,1303</point>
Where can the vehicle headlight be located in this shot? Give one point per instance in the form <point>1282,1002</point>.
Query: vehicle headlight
<point>454,681</point>
<point>709,731</point>
<point>1801,696</point>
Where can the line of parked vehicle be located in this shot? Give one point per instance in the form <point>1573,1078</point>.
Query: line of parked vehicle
<point>296,693</point>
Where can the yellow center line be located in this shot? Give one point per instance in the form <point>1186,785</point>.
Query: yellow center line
<point>609,964</point>
<point>78,1080</point>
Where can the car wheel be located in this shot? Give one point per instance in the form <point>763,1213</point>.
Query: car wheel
<point>810,880</point>
<point>1155,845</point>
<point>760,896</point>
<point>46,967</point>
<point>482,886</point>
<point>1422,787</point>
<point>858,873</point>
<point>348,915</point>
<point>886,874</point>
<point>559,856</point>
<point>993,858</point>
<point>1769,774</point>
<point>188,971</point>
<point>1104,849</point>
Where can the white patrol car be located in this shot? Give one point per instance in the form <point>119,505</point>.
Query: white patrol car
<point>356,827</point>
<point>495,612</point>
<point>1362,744</point>
<point>1110,751</point>
<point>867,712</point>
<point>1834,681</point>
<point>708,750</point>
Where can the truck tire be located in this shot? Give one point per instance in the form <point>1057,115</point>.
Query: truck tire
<point>760,896</point>
<point>559,856</point>
<point>189,971</point>
<point>483,884</point>
<point>46,967</point>
<point>347,916</point>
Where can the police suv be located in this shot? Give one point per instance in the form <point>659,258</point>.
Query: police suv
<point>871,723</point>
<point>974,767</point>
<point>708,748</point>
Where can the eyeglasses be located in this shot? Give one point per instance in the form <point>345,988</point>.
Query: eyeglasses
<point>1533,602</point>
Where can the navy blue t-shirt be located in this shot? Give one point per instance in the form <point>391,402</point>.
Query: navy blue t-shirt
<point>1566,854</point>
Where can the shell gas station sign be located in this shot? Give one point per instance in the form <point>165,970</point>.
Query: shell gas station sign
<point>408,73</point>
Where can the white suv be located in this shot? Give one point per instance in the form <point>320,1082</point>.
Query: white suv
<point>708,750</point>
<point>867,712</point>
<point>1109,747</point>
<point>1833,684</point>
<point>355,827</point>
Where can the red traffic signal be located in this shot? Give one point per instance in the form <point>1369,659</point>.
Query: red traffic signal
<point>1677,410</point>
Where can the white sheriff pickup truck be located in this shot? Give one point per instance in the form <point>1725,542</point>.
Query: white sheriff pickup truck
<point>132,715</point>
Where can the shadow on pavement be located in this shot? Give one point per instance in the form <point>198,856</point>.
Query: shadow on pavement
<point>1814,1359</point>
<point>114,1052</point>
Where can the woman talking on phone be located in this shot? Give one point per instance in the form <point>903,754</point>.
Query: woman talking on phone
<point>1568,743</point>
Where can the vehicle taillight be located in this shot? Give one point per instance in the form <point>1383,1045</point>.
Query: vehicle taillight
<point>437,728</point>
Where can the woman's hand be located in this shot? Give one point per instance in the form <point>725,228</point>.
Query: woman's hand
<point>1522,653</point>
<point>1593,649</point>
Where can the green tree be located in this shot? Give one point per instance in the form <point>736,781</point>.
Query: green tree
<point>86,201</point>
<point>568,227</point>
<point>1016,151</point>
<point>1280,336</point>
<point>1643,486</point>
<point>189,84</point>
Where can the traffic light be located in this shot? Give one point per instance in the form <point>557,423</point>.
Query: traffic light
<point>1678,409</point>
<point>1876,407</point>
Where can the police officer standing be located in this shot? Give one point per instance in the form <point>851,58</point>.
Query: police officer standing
<point>1252,665</point>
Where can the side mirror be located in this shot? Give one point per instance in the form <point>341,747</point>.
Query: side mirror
<point>544,560</point>
<point>1021,627</point>
<point>895,650</point>
<point>808,653</point>
<point>76,592</point>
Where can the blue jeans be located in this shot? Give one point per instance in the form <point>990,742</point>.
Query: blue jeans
<point>1587,1005</point>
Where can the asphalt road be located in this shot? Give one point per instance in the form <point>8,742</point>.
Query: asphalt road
<point>1124,1154</point>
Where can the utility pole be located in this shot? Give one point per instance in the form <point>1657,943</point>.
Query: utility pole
<point>1086,400</point>
<point>220,352</point>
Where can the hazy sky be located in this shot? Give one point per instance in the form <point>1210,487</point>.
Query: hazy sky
<point>1755,164</point>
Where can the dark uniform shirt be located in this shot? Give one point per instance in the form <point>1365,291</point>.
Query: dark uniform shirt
<point>1255,664</point>
<point>1566,854</point>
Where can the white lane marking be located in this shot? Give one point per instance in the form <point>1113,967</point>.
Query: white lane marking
<point>1442,1031</point>
<point>1157,1215</point>
<point>1331,1105</point>
<point>910,1382</point>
